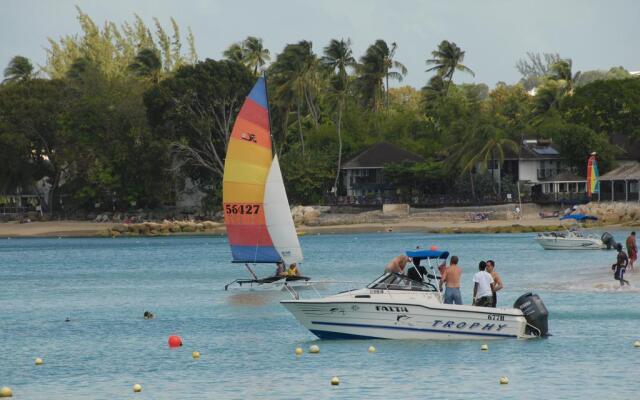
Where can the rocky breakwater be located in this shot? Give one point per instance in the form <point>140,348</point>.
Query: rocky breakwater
<point>612,213</point>
<point>165,228</point>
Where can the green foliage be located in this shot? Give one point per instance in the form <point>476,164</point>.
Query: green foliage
<point>113,48</point>
<point>308,180</point>
<point>19,69</point>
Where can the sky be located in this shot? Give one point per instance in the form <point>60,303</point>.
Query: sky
<point>493,33</point>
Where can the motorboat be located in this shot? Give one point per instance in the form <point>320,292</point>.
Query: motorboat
<point>574,238</point>
<point>394,306</point>
<point>257,216</point>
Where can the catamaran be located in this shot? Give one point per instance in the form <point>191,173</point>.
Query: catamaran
<point>396,306</point>
<point>257,216</point>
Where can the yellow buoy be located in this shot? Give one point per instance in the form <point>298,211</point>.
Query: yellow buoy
<point>504,380</point>
<point>299,351</point>
<point>39,361</point>
<point>335,381</point>
<point>484,347</point>
<point>314,349</point>
<point>6,392</point>
<point>137,388</point>
<point>195,355</point>
<point>372,349</point>
<point>636,343</point>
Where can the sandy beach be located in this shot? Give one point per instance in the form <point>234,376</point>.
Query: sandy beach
<point>88,228</point>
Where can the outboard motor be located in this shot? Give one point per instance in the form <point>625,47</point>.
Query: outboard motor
<point>535,313</point>
<point>608,241</point>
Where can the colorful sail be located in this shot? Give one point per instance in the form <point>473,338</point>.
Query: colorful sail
<point>593,181</point>
<point>254,199</point>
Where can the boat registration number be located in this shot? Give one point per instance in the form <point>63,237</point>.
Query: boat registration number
<point>495,317</point>
<point>242,208</point>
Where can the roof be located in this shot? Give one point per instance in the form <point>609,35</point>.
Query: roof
<point>533,149</point>
<point>424,254</point>
<point>564,176</point>
<point>627,171</point>
<point>380,154</point>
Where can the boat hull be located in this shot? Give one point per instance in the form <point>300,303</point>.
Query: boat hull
<point>559,243</point>
<point>406,320</point>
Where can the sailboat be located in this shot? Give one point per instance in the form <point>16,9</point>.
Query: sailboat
<point>257,216</point>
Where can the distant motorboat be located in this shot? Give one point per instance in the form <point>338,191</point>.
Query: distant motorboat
<point>575,238</point>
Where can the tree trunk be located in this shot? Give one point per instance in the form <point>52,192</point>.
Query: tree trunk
<point>335,184</point>
<point>386,89</point>
<point>473,189</point>
<point>300,129</point>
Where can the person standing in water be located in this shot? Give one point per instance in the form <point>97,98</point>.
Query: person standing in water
<point>497,281</point>
<point>632,249</point>
<point>482,287</point>
<point>620,266</point>
<point>451,277</point>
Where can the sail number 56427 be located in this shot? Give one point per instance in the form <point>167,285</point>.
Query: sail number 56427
<point>246,209</point>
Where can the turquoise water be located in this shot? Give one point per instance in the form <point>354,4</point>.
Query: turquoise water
<point>247,340</point>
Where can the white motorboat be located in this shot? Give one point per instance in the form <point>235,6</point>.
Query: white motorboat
<point>572,239</point>
<point>397,307</point>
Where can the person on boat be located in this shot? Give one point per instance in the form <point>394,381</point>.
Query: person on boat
<point>451,277</point>
<point>293,270</point>
<point>281,270</point>
<point>632,249</point>
<point>397,264</point>
<point>620,266</point>
<point>417,272</point>
<point>482,287</point>
<point>497,281</point>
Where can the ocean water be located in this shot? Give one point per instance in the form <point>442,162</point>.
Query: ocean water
<point>247,340</point>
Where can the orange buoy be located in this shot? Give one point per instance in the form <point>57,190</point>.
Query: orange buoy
<point>175,341</point>
<point>434,247</point>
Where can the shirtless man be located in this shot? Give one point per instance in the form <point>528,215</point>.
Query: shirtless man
<point>451,277</point>
<point>632,249</point>
<point>497,281</point>
<point>397,264</point>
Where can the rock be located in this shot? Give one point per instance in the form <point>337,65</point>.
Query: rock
<point>189,227</point>
<point>120,228</point>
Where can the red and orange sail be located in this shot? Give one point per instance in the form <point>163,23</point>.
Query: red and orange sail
<point>593,182</point>
<point>246,169</point>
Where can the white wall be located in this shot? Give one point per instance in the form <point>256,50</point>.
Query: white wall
<point>528,170</point>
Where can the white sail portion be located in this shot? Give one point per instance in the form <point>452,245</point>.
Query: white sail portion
<point>278,215</point>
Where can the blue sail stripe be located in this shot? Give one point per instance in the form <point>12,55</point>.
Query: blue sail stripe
<point>255,254</point>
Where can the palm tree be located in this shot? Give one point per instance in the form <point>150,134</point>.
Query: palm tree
<point>561,71</point>
<point>378,64</point>
<point>235,52</point>
<point>254,55</point>
<point>147,64</point>
<point>295,76</point>
<point>338,56</point>
<point>447,60</point>
<point>492,143</point>
<point>19,69</point>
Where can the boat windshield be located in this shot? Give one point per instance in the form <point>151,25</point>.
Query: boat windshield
<point>392,281</point>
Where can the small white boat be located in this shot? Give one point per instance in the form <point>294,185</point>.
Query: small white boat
<point>572,239</point>
<point>397,307</point>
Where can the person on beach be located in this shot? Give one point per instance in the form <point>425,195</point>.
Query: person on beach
<point>620,266</point>
<point>497,281</point>
<point>293,270</point>
<point>280,269</point>
<point>482,287</point>
<point>632,249</point>
<point>397,264</point>
<point>451,277</point>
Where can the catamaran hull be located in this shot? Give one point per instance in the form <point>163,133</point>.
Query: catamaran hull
<point>386,320</point>
<point>570,244</point>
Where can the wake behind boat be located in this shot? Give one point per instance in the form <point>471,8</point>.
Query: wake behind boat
<point>257,216</point>
<point>397,307</point>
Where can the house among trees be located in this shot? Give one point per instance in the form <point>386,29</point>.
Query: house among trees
<point>364,177</point>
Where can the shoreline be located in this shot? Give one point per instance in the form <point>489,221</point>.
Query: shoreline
<point>86,229</point>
